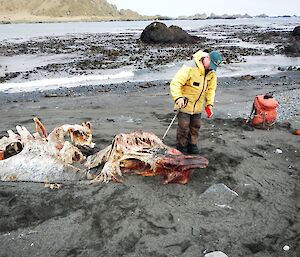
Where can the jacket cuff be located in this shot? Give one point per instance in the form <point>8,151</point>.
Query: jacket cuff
<point>178,99</point>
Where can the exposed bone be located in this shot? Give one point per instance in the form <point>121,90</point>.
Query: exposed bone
<point>56,159</point>
<point>80,134</point>
<point>50,158</point>
<point>150,151</point>
<point>138,145</point>
<point>36,163</point>
<point>13,136</point>
<point>40,128</point>
<point>98,158</point>
<point>70,153</point>
<point>56,139</point>
<point>24,133</point>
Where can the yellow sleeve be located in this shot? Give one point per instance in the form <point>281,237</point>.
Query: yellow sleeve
<point>211,91</point>
<point>179,80</point>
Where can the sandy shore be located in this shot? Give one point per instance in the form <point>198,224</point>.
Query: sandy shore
<point>141,217</point>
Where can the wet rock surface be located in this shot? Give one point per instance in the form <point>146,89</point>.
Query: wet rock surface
<point>158,32</point>
<point>296,31</point>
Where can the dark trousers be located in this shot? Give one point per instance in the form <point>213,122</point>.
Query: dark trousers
<point>188,128</point>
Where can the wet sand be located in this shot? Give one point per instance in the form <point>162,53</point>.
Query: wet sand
<point>142,217</point>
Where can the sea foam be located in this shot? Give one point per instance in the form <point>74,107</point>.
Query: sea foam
<point>53,83</point>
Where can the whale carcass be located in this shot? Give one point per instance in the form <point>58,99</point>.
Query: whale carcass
<point>143,153</point>
<point>41,157</point>
<point>59,156</point>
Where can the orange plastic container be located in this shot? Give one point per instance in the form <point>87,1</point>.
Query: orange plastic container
<point>1,155</point>
<point>297,132</point>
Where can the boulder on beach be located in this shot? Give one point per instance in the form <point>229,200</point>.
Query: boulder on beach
<point>293,49</point>
<point>215,254</point>
<point>159,33</point>
<point>296,31</point>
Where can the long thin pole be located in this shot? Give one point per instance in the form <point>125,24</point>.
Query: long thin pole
<point>171,123</point>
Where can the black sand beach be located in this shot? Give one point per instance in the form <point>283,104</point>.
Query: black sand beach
<point>246,203</point>
<point>144,218</point>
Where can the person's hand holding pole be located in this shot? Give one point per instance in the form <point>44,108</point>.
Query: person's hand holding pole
<point>181,102</point>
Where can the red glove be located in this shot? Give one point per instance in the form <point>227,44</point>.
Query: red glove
<point>209,112</point>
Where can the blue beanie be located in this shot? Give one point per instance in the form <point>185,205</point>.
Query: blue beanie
<point>215,59</point>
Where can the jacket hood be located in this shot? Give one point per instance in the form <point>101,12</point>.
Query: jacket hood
<point>197,58</point>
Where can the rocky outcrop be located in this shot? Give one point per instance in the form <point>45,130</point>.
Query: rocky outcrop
<point>293,48</point>
<point>296,31</point>
<point>158,32</point>
<point>226,16</point>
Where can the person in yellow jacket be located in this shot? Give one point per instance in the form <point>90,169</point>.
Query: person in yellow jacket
<point>193,89</point>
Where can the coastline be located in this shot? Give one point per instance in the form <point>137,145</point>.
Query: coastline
<point>15,18</point>
<point>245,204</point>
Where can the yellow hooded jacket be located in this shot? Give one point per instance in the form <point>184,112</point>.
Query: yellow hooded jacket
<point>190,81</point>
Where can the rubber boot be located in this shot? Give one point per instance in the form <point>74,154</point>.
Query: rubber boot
<point>182,149</point>
<point>193,149</point>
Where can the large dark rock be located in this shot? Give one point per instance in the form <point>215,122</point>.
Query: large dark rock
<point>293,46</point>
<point>158,32</point>
<point>293,49</point>
<point>296,31</point>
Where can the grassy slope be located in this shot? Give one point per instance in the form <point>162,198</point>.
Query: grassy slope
<point>62,8</point>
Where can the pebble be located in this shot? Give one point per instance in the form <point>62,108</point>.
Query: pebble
<point>278,151</point>
<point>286,248</point>
<point>215,254</point>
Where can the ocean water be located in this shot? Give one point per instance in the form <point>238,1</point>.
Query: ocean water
<point>25,31</point>
<point>254,65</point>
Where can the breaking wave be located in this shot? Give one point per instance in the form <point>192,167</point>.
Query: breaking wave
<point>53,83</point>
